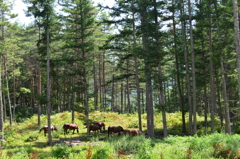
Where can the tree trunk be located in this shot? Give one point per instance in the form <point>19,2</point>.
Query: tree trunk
<point>193,70</point>
<point>187,70</point>
<point>113,100</point>
<point>7,86</point>
<point>95,87</point>
<point>136,76</point>
<point>122,90</point>
<point>178,72</point>
<point>128,91</point>
<point>49,109</point>
<point>148,74</point>
<point>1,110</point>
<point>227,117</point>
<point>237,40</point>
<point>39,90</point>
<point>212,85</point>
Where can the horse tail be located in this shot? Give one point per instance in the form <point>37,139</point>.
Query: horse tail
<point>122,129</point>
<point>108,130</point>
<point>103,126</point>
<point>40,130</point>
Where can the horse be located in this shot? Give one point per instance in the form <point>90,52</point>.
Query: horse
<point>94,128</point>
<point>72,126</point>
<point>100,124</point>
<point>45,128</point>
<point>115,129</point>
<point>132,132</point>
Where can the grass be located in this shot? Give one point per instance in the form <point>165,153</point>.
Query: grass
<point>23,140</point>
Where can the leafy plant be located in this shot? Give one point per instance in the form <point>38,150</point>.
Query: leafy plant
<point>61,151</point>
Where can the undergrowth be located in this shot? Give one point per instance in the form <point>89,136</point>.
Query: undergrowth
<point>23,140</point>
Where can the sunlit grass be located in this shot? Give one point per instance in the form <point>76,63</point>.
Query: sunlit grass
<point>23,140</point>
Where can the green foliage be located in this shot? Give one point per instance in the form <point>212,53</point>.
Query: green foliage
<point>24,141</point>
<point>31,137</point>
<point>102,151</point>
<point>145,150</point>
<point>127,143</point>
<point>61,151</point>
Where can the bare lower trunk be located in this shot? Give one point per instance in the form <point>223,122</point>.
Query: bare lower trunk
<point>49,109</point>
<point>193,71</point>
<point>237,40</point>
<point>1,111</point>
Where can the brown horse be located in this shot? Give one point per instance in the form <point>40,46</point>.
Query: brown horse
<point>115,129</point>
<point>45,128</point>
<point>132,132</point>
<point>100,124</point>
<point>94,128</point>
<point>72,126</point>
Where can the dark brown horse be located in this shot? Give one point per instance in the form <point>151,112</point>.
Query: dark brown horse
<point>100,124</point>
<point>132,132</point>
<point>94,128</point>
<point>115,129</point>
<point>72,126</point>
<point>45,128</point>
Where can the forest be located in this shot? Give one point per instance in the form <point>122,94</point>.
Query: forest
<point>135,57</point>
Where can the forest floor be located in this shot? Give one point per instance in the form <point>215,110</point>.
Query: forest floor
<point>25,139</point>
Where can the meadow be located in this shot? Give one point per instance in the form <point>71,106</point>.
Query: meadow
<point>23,140</point>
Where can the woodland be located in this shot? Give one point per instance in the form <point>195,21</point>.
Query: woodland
<point>136,57</point>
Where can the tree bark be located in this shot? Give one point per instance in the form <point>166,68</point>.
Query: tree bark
<point>49,109</point>
<point>1,110</point>
<point>187,69</point>
<point>178,72</point>
<point>193,70</point>
<point>212,85</point>
<point>237,40</point>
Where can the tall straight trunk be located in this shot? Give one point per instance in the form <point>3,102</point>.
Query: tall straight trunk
<point>178,72</point>
<point>14,94</point>
<point>39,90</point>
<point>122,88</point>
<point>95,87</point>
<point>113,100</point>
<point>184,43</point>
<point>136,75</point>
<point>193,70</point>
<point>103,83</point>
<point>1,110</point>
<point>143,102</point>
<point>212,85</point>
<point>73,97</point>
<point>100,80</point>
<point>160,74</point>
<point>148,73</point>
<point>49,109</point>
<point>227,117</point>
<point>128,90</point>
<point>162,101</point>
<point>7,86</point>
<point>237,40</point>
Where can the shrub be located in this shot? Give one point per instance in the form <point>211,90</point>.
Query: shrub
<point>30,138</point>
<point>61,151</point>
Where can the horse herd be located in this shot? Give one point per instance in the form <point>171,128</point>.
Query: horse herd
<point>95,127</point>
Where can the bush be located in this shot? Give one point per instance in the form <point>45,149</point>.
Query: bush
<point>61,151</point>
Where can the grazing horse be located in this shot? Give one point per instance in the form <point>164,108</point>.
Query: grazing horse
<point>72,126</point>
<point>100,124</point>
<point>45,128</point>
<point>115,129</point>
<point>132,132</point>
<point>94,128</point>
